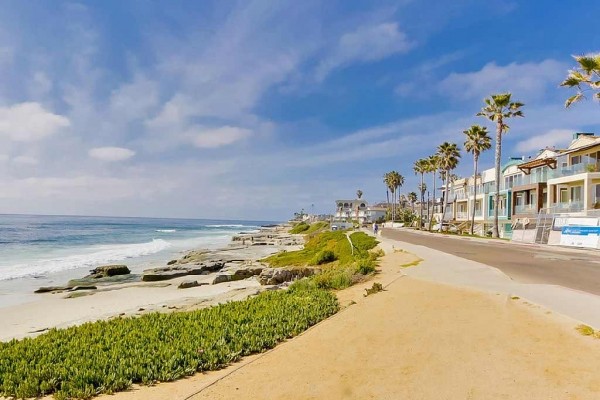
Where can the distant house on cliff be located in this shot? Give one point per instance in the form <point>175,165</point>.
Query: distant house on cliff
<point>357,210</point>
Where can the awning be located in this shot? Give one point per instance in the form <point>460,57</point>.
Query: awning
<point>528,166</point>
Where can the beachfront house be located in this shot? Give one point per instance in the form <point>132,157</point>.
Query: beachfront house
<point>351,210</point>
<point>574,185</point>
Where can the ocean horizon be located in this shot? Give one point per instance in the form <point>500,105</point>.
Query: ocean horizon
<point>38,250</point>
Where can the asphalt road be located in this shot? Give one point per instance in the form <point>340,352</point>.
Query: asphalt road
<point>579,270</point>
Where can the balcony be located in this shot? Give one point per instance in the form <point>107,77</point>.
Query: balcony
<point>576,169</point>
<point>501,213</point>
<point>462,215</point>
<point>533,179</point>
<point>572,206</point>
<point>526,209</point>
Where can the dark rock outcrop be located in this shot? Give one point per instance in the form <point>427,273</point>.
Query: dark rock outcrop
<point>276,276</point>
<point>190,284</point>
<point>108,270</point>
<point>176,271</point>
<point>52,289</point>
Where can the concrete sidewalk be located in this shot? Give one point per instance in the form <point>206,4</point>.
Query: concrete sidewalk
<point>446,268</point>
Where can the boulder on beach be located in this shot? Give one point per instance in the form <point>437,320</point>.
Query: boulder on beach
<point>176,271</point>
<point>108,270</point>
<point>190,284</point>
<point>52,289</point>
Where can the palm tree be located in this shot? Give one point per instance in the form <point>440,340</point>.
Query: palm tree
<point>448,155</point>
<point>396,182</point>
<point>476,142</point>
<point>420,167</point>
<point>412,199</point>
<point>359,193</point>
<point>433,165</point>
<point>587,73</point>
<point>498,108</point>
<point>387,180</point>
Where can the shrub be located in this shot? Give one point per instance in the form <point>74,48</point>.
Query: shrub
<point>377,287</point>
<point>365,267</point>
<point>300,228</point>
<point>108,356</point>
<point>323,257</point>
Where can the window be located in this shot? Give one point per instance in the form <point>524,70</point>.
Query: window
<point>519,199</point>
<point>576,193</point>
<point>564,195</point>
<point>575,160</point>
<point>596,194</point>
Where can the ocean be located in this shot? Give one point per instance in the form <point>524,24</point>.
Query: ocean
<point>48,250</point>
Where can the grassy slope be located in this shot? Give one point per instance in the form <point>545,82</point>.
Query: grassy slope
<point>108,356</point>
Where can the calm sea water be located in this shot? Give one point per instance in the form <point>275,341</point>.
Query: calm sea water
<point>45,249</point>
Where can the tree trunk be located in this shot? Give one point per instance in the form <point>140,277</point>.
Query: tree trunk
<point>495,231</point>
<point>433,203</point>
<point>475,159</point>
<point>422,201</point>
<point>387,195</point>
<point>445,199</point>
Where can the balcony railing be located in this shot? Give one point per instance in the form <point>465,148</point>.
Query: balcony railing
<point>526,209</point>
<point>501,213</point>
<point>532,179</point>
<point>572,206</point>
<point>462,215</point>
<point>576,169</point>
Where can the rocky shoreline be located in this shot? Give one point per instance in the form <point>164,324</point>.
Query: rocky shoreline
<point>199,278</point>
<point>240,260</point>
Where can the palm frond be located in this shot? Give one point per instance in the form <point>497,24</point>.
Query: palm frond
<point>575,98</point>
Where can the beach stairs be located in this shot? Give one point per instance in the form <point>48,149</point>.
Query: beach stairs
<point>465,227</point>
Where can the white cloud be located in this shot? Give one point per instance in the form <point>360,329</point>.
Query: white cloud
<point>25,160</point>
<point>555,137</point>
<point>366,44</point>
<point>523,80</point>
<point>134,100</point>
<point>213,138</point>
<point>28,122</point>
<point>111,153</point>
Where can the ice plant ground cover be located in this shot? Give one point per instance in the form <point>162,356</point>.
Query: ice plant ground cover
<point>109,356</point>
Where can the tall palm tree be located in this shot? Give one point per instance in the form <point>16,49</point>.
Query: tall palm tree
<point>433,165</point>
<point>412,199</point>
<point>448,155</point>
<point>420,167</point>
<point>498,108</point>
<point>587,73</point>
<point>397,181</point>
<point>476,142</point>
<point>387,180</point>
<point>359,193</point>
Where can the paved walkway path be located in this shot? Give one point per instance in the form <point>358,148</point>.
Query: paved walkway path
<point>565,281</point>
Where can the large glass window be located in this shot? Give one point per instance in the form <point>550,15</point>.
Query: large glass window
<point>576,193</point>
<point>575,160</point>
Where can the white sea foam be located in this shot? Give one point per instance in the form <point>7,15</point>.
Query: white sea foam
<point>166,230</point>
<point>228,226</point>
<point>90,257</point>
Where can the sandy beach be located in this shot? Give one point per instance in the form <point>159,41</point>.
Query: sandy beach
<point>415,340</point>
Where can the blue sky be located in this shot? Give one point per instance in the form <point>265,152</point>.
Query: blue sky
<point>255,109</point>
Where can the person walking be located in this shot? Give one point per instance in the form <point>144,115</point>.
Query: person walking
<point>375,228</point>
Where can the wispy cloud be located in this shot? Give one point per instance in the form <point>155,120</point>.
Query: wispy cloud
<point>366,44</point>
<point>111,154</point>
<point>530,80</point>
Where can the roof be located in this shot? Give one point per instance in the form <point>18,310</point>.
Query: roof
<point>511,163</point>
